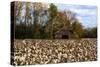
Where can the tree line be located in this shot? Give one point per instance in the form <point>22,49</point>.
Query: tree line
<point>44,23</point>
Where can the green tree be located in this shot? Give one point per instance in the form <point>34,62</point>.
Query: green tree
<point>53,14</point>
<point>90,33</point>
<point>77,30</point>
<point>94,32</point>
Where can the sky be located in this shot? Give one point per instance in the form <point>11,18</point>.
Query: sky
<point>87,15</point>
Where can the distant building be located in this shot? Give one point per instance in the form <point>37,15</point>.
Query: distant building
<point>63,33</point>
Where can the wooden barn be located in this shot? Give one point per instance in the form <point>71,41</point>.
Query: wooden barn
<point>63,33</point>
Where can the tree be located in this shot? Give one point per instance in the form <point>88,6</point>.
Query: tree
<point>90,33</point>
<point>94,32</point>
<point>17,20</point>
<point>23,28</point>
<point>53,14</point>
<point>18,8</point>
<point>60,22</point>
<point>36,14</point>
<point>77,29</point>
<point>27,13</point>
<point>53,11</point>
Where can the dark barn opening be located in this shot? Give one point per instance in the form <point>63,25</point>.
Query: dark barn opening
<point>64,36</point>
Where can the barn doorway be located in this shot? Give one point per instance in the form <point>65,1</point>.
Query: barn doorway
<point>64,36</point>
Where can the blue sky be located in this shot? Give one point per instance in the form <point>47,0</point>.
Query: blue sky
<point>87,15</point>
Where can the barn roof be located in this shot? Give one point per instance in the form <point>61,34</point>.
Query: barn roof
<point>63,31</point>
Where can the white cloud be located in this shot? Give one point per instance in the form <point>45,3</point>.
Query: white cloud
<point>84,11</point>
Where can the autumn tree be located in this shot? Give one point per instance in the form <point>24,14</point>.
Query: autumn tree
<point>60,22</point>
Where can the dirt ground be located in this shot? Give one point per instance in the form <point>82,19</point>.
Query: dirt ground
<point>36,51</point>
